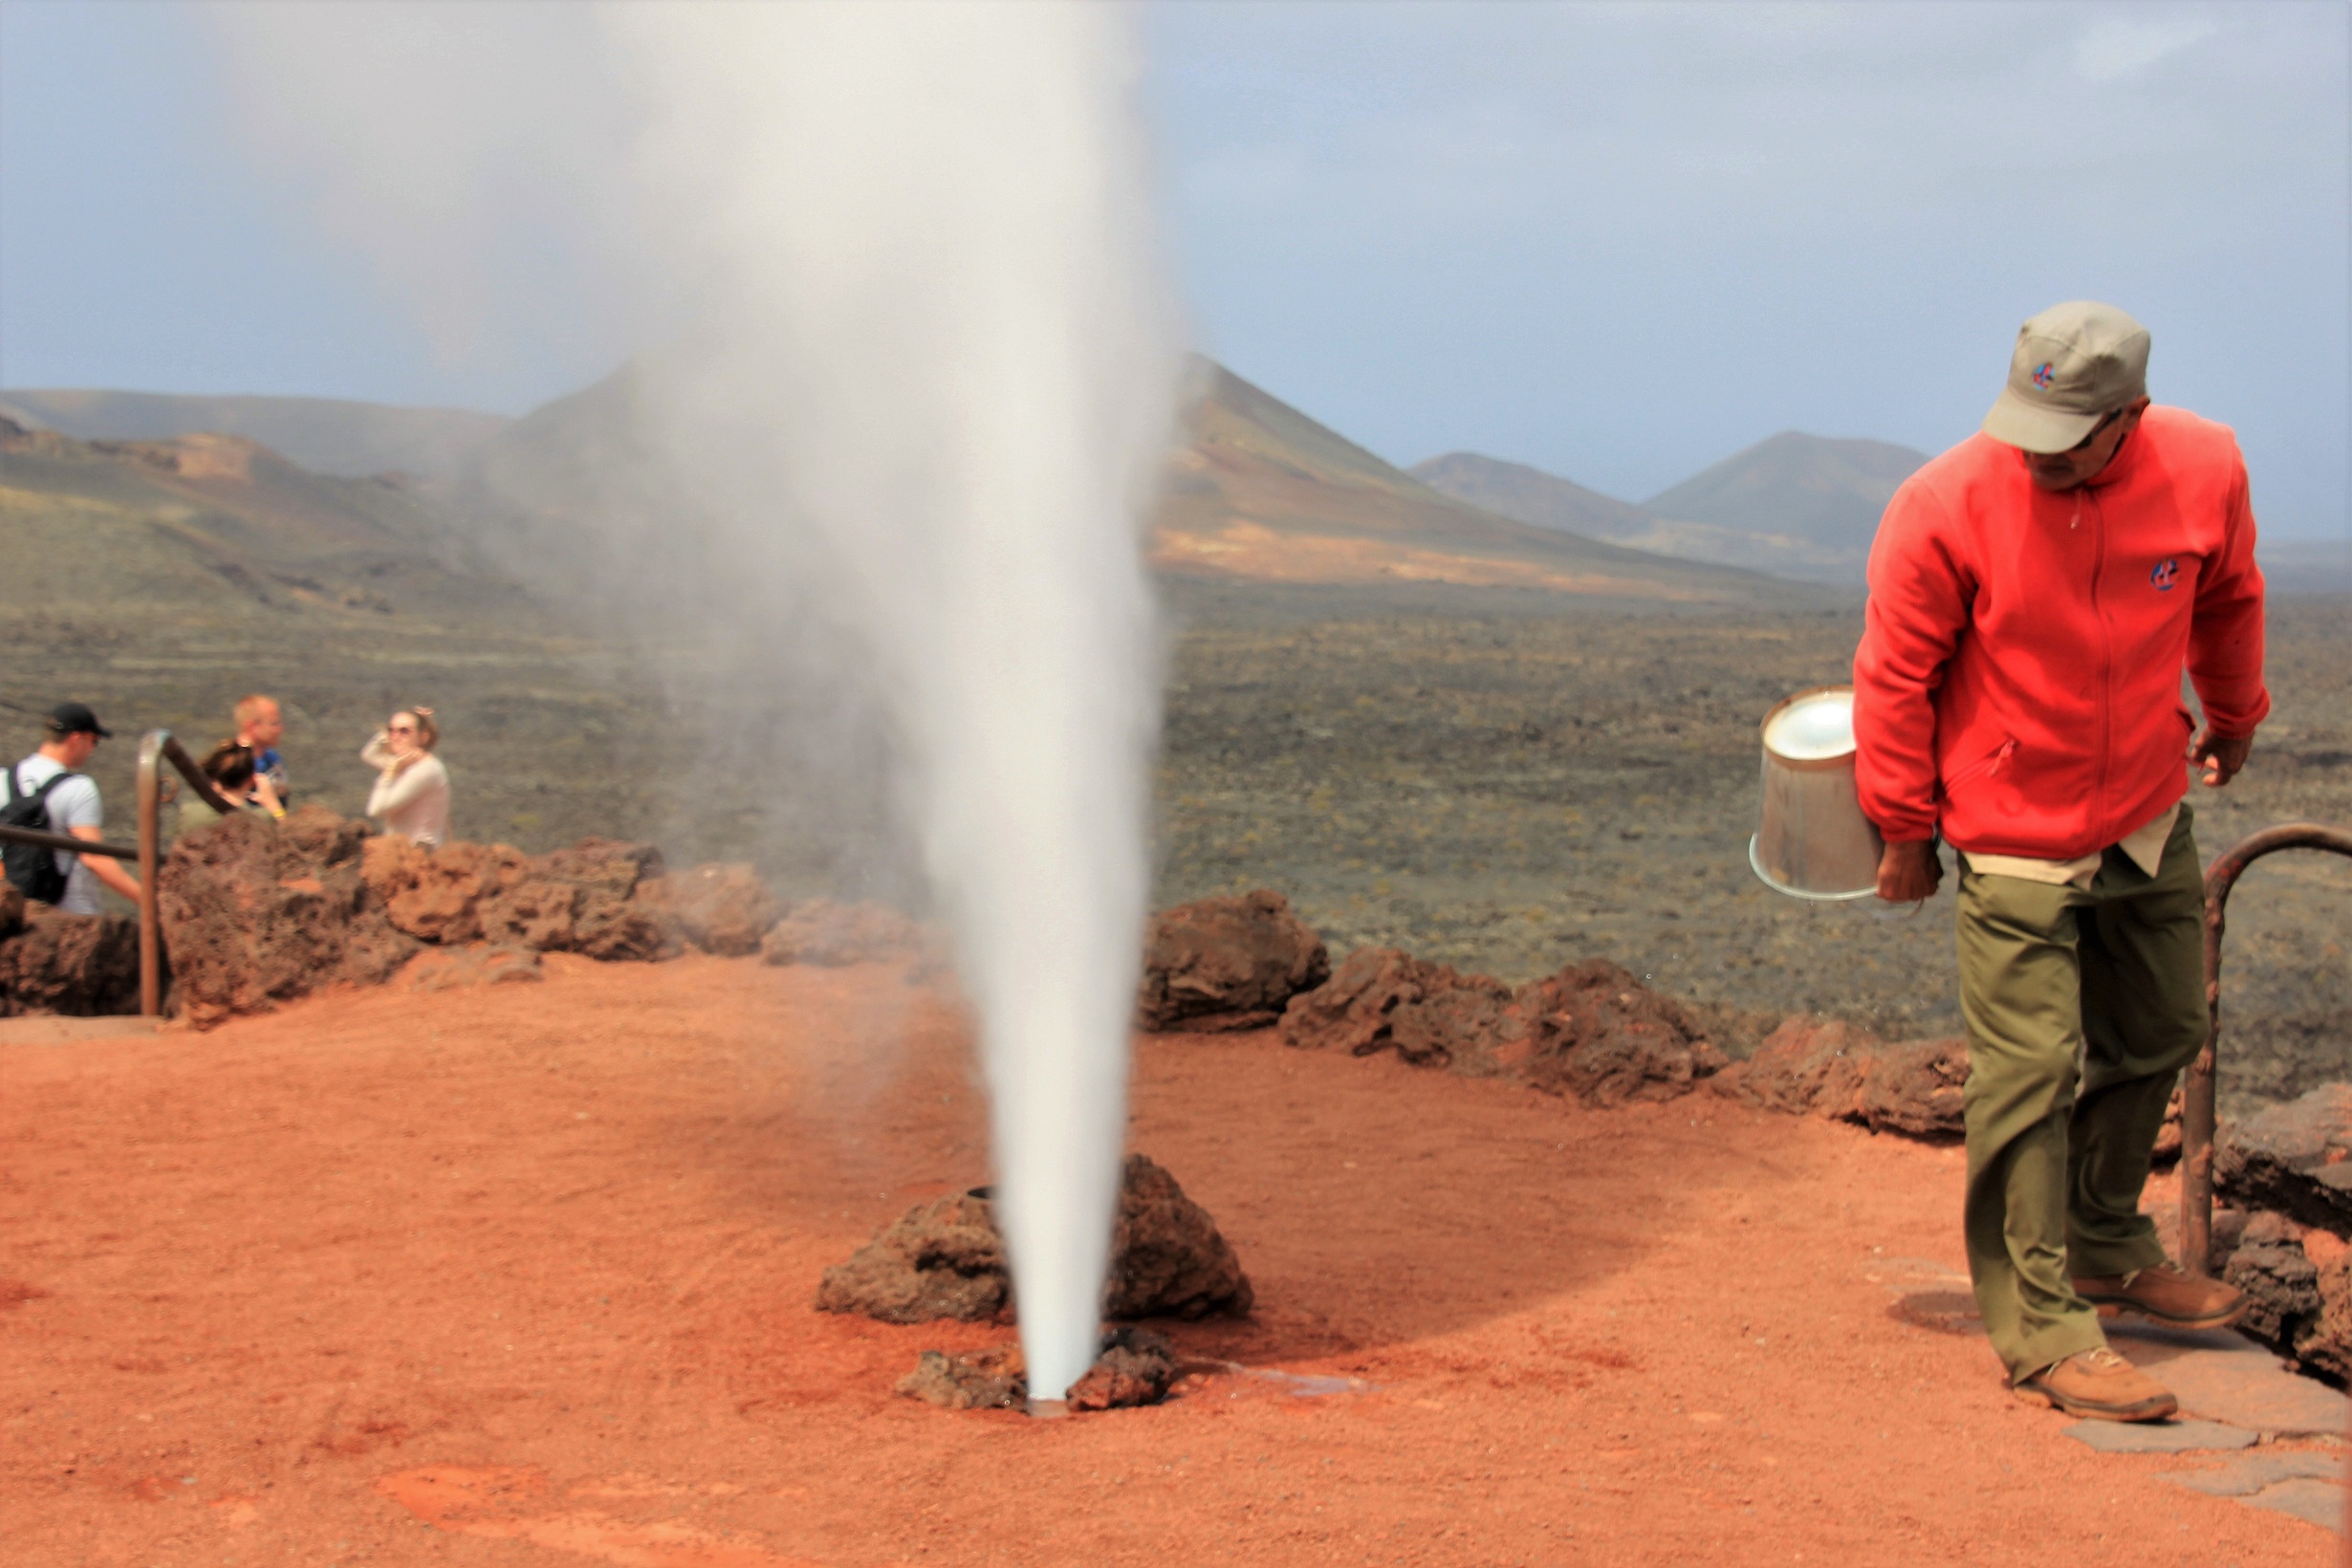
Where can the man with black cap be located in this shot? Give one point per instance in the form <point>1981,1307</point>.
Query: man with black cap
<point>70,798</point>
<point>2036,594</point>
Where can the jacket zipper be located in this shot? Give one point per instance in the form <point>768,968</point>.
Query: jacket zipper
<point>2106,666</point>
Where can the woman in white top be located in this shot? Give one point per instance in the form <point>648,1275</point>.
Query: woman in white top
<point>412,788</point>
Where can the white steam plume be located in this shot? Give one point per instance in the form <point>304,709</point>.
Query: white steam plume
<point>927,352</point>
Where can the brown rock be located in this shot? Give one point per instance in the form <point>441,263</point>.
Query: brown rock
<point>1595,1032</point>
<point>1135,1367</point>
<point>1354,1010</point>
<point>821,931</point>
<point>576,900</point>
<point>13,905</point>
<point>1167,1257</point>
<point>944,1259</point>
<point>256,913</point>
<point>1829,1068</point>
<point>985,1379</point>
<point>2294,1158</point>
<point>721,908</point>
<point>2280,1282</point>
<point>1227,962</point>
<point>478,964</point>
<point>81,966</point>
<point>940,1259</point>
<point>2168,1150</point>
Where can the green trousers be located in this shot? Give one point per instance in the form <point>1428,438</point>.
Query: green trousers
<point>2083,1006</point>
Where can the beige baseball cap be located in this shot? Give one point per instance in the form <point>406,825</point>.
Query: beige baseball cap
<point>2075,365</point>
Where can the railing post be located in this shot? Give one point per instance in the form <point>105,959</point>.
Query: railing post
<point>2197,1087</point>
<point>150,934</point>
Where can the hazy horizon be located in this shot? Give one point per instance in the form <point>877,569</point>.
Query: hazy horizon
<point>1614,243</point>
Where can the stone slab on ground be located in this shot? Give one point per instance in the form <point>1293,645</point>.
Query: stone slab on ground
<point>2242,1475</point>
<point>41,1030</point>
<point>2320,1502</point>
<point>2223,1375</point>
<point>2158,1436</point>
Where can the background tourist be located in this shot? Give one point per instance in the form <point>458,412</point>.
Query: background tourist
<point>71,806</point>
<point>231,768</point>
<point>412,788</point>
<point>259,728</point>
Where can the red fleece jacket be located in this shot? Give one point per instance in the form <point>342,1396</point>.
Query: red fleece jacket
<point>2019,673</point>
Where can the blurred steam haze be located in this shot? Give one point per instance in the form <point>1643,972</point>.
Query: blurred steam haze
<point>916,373</point>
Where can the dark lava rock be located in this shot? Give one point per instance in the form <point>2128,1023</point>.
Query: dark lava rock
<point>1828,1068</point>
<point>822,932</point>
<point>1227,962</point>
<point>1591,1030</point>
<point>1167,1257</point>
<point>1594,1032</point>
<point>722,909</point>
<point>13,905</point>
<point>2294,1158</point>
<point>946,1259</point>
<point>81,966</point>
<point>940,1259</point>
<point>1381,997</point>
<point>986,1379</point>
<point>256,913</point>
<point>2279,1280</point>
<point>1135,1367</point>
<point>477,964</point>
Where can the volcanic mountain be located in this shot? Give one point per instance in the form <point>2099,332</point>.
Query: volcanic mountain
<point>325,435</point>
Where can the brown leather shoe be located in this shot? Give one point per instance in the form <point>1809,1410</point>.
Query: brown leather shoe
<point>2102,1386</point>
<point>2168,1294</point>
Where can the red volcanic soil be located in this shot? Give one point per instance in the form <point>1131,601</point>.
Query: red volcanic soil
<point>521,1275</point>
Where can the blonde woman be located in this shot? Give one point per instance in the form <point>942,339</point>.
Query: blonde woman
<point>412,788</point>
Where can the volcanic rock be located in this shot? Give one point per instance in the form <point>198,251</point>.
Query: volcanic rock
<point>821,931</point>
<point>1594,1032</point>
<point>477,964</point>
<point>985,1379</point>
<point>2280,1279</point>
<point>1167,1258</point>
<point>946,1259</point>
<point>1828,1068</point>
<point>721,908</point>
<point>12,909</point>
<point>1135,1367</point>
<point>1227,962</point>
<point>256,913</point>
<point>2294,1158</point>
<point>82,966</point>
<point>1381,997</point>
<point>940,1259</point>
<point>577,900</point>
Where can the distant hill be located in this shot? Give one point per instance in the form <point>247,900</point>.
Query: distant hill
<point>212,528</point>
<point>1263,492</point>
<point>1830,492</point>
<point>1795,506</point>
<point>325,435</point>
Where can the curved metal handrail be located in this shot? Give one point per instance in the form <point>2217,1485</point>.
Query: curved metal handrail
<point>2197,1120</point>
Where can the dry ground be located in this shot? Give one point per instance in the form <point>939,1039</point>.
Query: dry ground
<point>521,1276</point>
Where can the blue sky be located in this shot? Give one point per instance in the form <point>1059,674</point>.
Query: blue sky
<point>1617,242</point>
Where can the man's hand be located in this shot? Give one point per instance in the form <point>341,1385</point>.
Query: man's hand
<point>1908,873</point>
<point>2221,756</point>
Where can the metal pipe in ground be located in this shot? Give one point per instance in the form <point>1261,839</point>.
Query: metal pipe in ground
<point>2197,1109</point>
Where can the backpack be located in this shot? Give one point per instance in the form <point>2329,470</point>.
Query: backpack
<point>33,867</point>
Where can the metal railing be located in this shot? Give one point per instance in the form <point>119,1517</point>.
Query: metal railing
<point>155,748</point>
<point>2197,1118</point>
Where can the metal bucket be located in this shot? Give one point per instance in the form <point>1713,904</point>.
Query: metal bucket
<point>1812,840</point>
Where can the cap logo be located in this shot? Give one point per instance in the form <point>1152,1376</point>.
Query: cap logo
<point>2044,373</point>
<point>2164,574</point>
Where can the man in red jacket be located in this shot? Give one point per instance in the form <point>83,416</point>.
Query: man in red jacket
<point>2034,595</point>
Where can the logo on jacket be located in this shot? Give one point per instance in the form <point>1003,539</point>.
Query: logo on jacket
<point>2044,373</point>
<point>2164,574</point>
